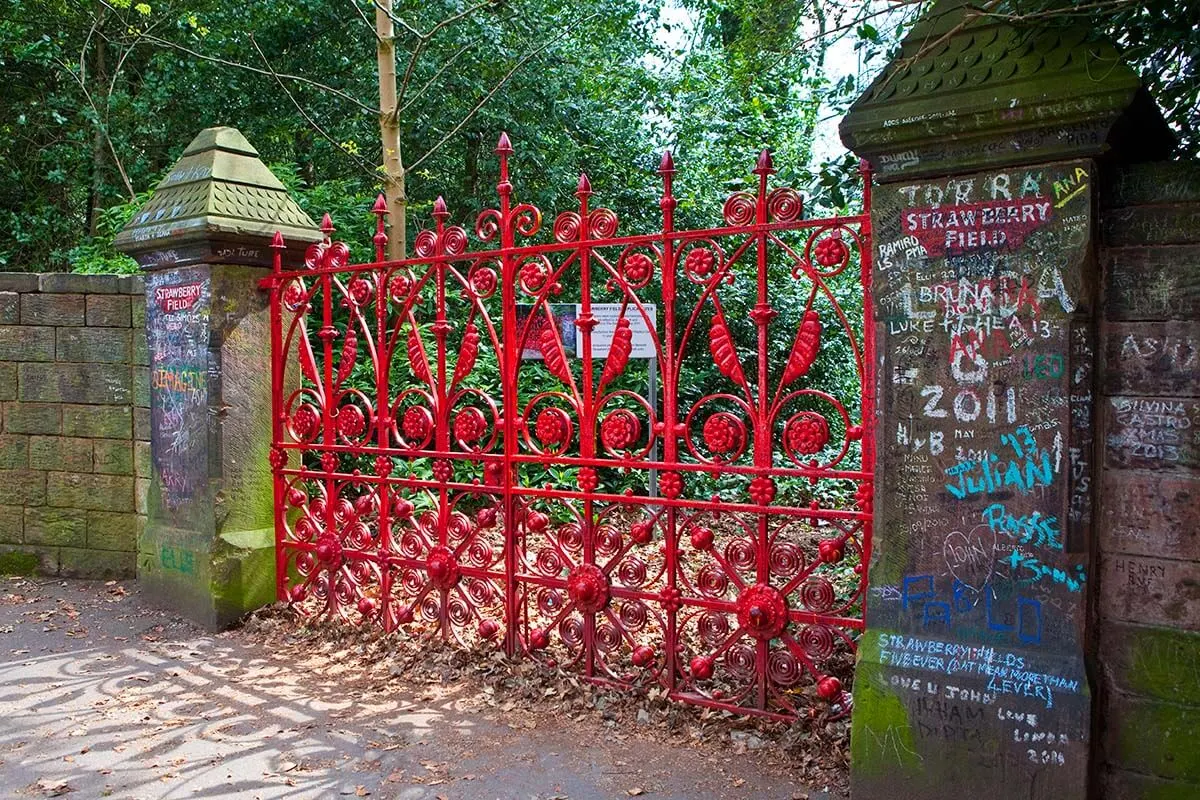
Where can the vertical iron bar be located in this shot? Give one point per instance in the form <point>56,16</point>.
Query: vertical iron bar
<point>666,170</point>
<point>277,414</point>
<point>762,315</point>
<point>509,361</point>
<point>587,426</point>
<point>383,415</point>
<point>868,388</point>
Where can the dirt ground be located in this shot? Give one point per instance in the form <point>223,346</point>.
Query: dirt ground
<point>102,695</point>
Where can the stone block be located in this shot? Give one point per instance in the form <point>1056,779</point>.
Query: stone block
<point>10,308</point>
<point>1168,223</point>
<point>60,453</point>
<point>72,282</point>
<point>107,310</point>
<point>1159,663</point>
<point>137,310</point>
<point>56,527</point>
<point>141,495</point>
<point>1152,358</point>
<point>141,424</point>
<point>111,531</point>
<point>28,560</point>
<point>52,309</point>
<point>113,456</point>
<point>22,487</point>
<point>1155,591</point>
<point>1150,514</point>
<point>141,351</point>
<point>8,382</point>
<point>14,451</point>
<point>142,465</point>
<point>1152,182</point>
<point>98,384</point>
<point>26,343</point>
<point>1154,433</point>
<point>12,524</point>
<point>92,492</point>
<point>101,345</point>
<point>141,386</point>
<point>133,284</point>
<point>1152,737</point>
<point>96,564</point>
<point>1123,785</point>
<point>33,418</point>
<point>18,282</point>
<point>101,422</point>
<point>1152,283</point>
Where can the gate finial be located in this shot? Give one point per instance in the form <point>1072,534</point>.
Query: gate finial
<point>667,165</point>
<point>765,164</point>
<point>380,210</point>
<point>585,186</point>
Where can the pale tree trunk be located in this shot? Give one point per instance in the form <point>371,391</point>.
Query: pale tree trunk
<point>98,77</point>
<point>389,129</point>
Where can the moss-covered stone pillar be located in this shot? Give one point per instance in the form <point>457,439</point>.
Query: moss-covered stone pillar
<point>987,141</point>
<point>204,241</point>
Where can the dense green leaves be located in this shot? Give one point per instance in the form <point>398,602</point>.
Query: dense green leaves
<point>100,96</point>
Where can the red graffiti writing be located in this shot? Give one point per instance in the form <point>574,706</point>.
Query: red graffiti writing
<point>996,224</point>
<point>179,297</point>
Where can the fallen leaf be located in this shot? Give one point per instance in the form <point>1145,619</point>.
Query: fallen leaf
<point>635,791</point>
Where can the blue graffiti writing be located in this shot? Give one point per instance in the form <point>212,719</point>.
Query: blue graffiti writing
<point>1029,467</point>
<point>918,592</point>
<point>1038,571</point>
<point>1031,529</point>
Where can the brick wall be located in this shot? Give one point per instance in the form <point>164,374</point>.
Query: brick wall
<point>74,423</point>
<point>1148,593</point>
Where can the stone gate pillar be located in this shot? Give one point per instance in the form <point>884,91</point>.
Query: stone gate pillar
<point>204,241</point>
<point>987,141</point>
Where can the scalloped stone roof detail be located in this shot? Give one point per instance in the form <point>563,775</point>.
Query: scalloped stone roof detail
<point>218,189</point>
<point>969,91</point>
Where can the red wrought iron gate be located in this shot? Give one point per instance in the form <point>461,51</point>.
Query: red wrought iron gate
<point>464,444</point>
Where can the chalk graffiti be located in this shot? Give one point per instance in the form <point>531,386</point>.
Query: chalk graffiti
<point>919,593</point>
<point>1030,528</point>
<point>1007,673</point>
<point>1028,467</point>
<point>1072,578</point>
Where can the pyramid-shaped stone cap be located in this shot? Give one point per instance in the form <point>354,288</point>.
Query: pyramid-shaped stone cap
<point>220,205</point>
<point>971,91</point>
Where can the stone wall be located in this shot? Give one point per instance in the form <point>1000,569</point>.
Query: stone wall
<point>1148,592</point>
<point>74,427</point>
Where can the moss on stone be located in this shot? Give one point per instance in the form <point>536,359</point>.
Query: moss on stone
<point>882,739</point>
<point>1159,738</point>
<point>18,563</point>
<point>1163,664</point>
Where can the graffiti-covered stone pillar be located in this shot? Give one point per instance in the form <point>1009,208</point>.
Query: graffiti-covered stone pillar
<point>204,241</point>
<point>987,141</point>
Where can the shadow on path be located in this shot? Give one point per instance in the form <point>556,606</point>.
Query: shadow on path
<point>102,696</point>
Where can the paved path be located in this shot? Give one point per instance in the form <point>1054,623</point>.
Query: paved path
<point>103,696</point>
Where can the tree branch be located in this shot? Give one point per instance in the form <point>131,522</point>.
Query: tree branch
<point>445,65</point>
<point>499,85</point>
<point>397,20</point>
<point>278,76</point>
<point>369,170</point>
<point>363,16</point>
<point>100,123</point>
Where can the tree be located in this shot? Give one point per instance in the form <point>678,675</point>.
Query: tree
<point>292,74</point>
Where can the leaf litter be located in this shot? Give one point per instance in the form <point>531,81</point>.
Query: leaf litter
<point>523,694</point>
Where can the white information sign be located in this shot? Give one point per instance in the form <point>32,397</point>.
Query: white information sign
<point>606,315</point>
